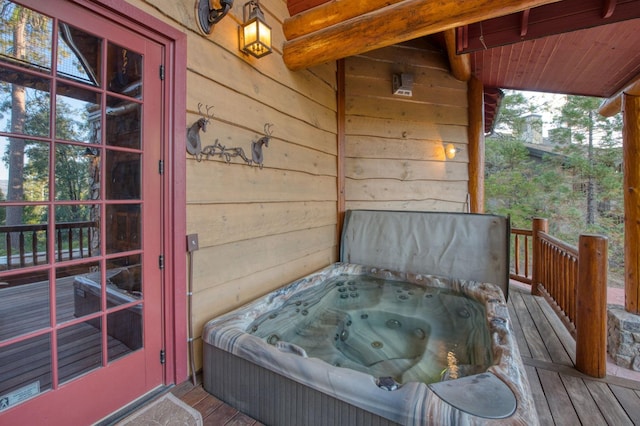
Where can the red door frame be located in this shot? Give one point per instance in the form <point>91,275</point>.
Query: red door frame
<point>174,203</point>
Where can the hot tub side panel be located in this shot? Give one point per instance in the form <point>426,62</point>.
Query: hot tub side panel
<point>276,400</point>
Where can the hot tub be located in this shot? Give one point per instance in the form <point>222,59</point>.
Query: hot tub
<point>356,345</point>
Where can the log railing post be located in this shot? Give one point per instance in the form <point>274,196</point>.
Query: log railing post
<point>538,225</point>
<point>591,306</point>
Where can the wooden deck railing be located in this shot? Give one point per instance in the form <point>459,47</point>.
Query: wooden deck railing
<point>521,243</point>
<point>574,282</point>
<point>26,245</point>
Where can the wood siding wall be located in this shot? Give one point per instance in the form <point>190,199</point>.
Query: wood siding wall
<point>258,228</point>
<point>394,145</point>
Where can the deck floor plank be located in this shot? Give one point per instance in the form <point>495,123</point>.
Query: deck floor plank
<point>630,401</point>
<point>542,406</point>
<point>608,404</point>
<point>534,342</point>
<point>560,405</point>
<point>556,350</point>
<point>582,400</point>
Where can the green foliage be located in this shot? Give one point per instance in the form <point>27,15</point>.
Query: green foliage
<point>557,187</point>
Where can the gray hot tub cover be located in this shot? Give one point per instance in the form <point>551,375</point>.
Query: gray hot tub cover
<point>461,245</point>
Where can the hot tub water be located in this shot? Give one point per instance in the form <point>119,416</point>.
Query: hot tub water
<point>388,329</point>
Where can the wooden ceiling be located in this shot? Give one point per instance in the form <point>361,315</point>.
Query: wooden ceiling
<point>581,47</point>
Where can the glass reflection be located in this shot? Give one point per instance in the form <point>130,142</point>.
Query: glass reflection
<point>124,278</point>
<point>24,103</point>
<point>124,71</point>
<point>78,55</point>
<point>23,236</point>
<point>25,36</point>
<point>77,232</point>
<point>78,291</point>
<point>79,349</point>
<point>24,303</point>
<point>25,164</point>
<point>123,182</point>
<point>125,326</point>
<point>123,123</point>
<point>26,366</point>
<point>123,233</point>
<point>77,114</point>
<point>77,172</point>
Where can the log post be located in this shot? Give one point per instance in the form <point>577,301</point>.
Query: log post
<point>591,306</point>
<point>475,94</point>
<point>631,187</point>
<point>538,225</point>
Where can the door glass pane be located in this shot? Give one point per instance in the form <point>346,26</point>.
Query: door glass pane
<point>79,349</point>
<point>124,71</point>
<point>124,280</point>
<point>124,224</point>
<point>77,234</point>
<point>24,304</point>
<point>24,103</point>
<point>24,170</point>
<point>25,36</point>
<point>123,123</point>
<point>23,237</point>
<point>77,114</point>
<point>25,368</point>
<point>78,291</point>
<point>78,55</point>
<point>125,328</point>
<point>124,176</point>
<point>77,172</point>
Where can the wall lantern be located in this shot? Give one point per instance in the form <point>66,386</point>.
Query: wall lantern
<point>450,151</point>
<point>254,33</point>
<point>207,17</point>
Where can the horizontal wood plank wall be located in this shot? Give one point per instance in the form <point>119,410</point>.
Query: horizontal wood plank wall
<point>258,229</point>
<point>394,145</point>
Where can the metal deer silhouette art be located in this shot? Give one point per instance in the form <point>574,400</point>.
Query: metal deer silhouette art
<point>256,146</point>
<point>194,144</point>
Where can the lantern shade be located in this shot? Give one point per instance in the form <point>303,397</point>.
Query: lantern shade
<point>255,35</point>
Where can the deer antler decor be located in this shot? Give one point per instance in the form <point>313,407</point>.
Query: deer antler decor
<point>194,145</point>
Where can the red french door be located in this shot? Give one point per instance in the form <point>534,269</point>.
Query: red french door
<point>81,101</point>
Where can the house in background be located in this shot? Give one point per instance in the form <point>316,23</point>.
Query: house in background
<point>94,310</point>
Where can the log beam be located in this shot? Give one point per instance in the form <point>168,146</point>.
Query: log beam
<point>476,145</point>
<point>329,14</point>
<point>631,187</point>
<point>460,64</point>
<point>610,107</point>
<point>393,24</point>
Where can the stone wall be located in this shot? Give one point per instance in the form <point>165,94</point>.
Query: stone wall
<point>623,341</point>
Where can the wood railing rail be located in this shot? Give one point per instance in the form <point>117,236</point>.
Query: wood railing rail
<point>574,282</point>
<point>26,245</point>
<point>522,244</point>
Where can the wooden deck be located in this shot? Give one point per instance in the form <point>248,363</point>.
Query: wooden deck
<point>563,395</point>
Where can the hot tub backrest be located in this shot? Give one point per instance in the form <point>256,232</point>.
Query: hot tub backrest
<point>461,245</point>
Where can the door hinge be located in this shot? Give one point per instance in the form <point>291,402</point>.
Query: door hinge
<point>161,72</point>
<point>161,262</point>
<point>162,356</point>
<point>161,167</point>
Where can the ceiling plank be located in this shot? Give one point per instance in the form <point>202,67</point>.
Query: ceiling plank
<point>557,18</point>
<point>394,24</point>
<point>328,14</point>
